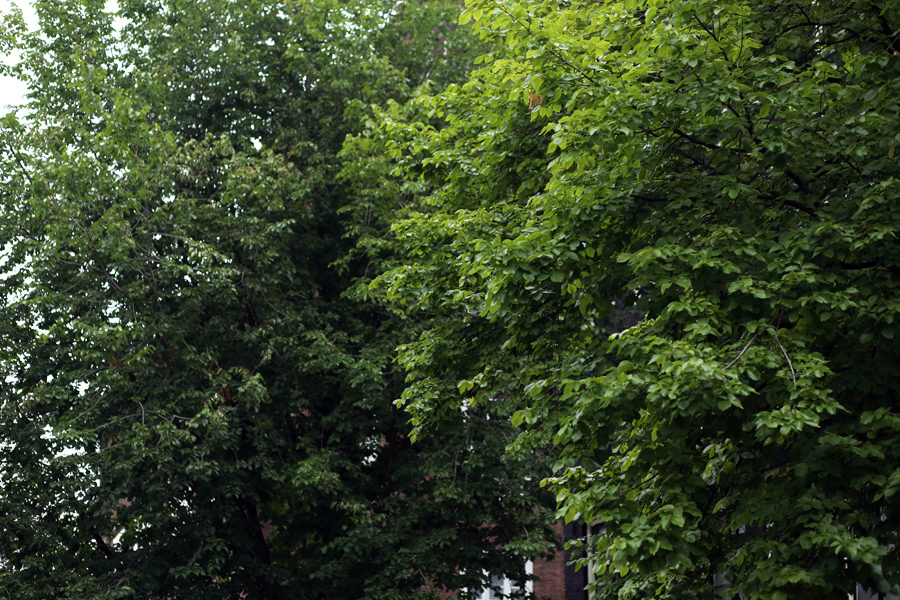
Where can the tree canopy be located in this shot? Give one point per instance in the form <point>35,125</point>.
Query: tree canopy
<point>666,234</point>
<point>197,400</point>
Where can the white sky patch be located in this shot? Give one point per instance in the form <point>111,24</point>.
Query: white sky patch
<point>12,91</point>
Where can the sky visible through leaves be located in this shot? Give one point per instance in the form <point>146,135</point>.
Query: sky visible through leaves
<point>12,91</point>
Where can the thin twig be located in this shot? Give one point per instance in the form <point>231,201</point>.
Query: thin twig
<point>783,351</point>
<point>738,357</point>
<point>19,161</point>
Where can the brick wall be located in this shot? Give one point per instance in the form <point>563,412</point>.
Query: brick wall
<point>551,574</point>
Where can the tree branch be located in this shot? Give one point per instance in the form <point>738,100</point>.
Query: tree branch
<point>101,544</point>
<point>788,358</point>
<point>694,139</point>
<point>738,357</point>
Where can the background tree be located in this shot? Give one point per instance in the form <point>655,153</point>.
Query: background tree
<point>193,406</point>
<point>727,171</point>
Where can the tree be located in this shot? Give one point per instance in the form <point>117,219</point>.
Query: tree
<point>195,403</point>
<point>665,233</point>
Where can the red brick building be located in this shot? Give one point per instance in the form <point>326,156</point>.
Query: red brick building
<point>555,579</point>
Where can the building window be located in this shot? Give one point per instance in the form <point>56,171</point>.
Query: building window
<point>594,530</point>
<point>863,594</point>
<point>503,588</point>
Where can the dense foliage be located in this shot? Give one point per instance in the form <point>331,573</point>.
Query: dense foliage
<point>196,402</point>
<point>666,233</point>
